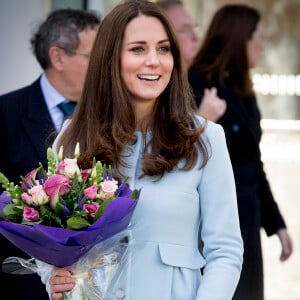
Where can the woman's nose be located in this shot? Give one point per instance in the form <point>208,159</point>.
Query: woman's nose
<point>152,58</point>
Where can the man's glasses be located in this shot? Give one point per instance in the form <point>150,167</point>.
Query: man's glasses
<point>79,53</point>
<point>72,53</point>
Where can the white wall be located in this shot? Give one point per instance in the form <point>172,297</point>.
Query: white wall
<point>18,64</point>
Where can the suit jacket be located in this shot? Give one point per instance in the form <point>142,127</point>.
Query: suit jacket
<point>25,126</point>
<point>164,258</point>
<point>256,204</point>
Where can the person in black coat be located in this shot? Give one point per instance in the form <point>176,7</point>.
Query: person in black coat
<point>31,116</point>
<point>229,50</point>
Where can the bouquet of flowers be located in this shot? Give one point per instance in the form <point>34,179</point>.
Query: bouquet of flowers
<point>69,217</point>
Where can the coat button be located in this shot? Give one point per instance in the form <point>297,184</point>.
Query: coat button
<point>120,294</point>
<point>235,127</point>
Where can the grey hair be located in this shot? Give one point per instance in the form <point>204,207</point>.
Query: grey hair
<point>61,29</point>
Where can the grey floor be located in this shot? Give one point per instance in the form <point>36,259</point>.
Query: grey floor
<point>281,156</point>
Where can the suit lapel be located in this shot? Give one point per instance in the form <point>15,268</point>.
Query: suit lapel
<point>43,135</point>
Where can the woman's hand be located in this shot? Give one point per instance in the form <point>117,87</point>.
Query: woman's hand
<point>212,107</point>
<point>286,244</point>
<point>60,281</point>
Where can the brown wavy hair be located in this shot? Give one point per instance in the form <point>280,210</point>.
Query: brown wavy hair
<point>223,54</point>
<point>104,123</point>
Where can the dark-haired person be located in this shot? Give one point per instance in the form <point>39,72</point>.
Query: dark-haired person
<point>231,47</point>
<point>31,116</point>
<point>136,115</point>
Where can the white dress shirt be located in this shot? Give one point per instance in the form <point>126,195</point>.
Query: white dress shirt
<point>53,98</point>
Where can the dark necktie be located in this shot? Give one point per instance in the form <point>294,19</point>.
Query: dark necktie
<point>67,108</point>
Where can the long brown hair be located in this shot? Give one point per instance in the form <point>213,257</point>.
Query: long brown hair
<point>104,122</point>
<point>223,53</point>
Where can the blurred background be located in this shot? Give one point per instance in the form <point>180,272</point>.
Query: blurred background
<point>276,81</point>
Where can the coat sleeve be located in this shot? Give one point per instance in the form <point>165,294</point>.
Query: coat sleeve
<point>219,230</point>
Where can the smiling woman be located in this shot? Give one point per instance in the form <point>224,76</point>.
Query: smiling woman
<point>146,62</point>
<point>136,115</point>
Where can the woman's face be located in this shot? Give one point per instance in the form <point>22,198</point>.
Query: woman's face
<point>146,59</point>
<point>255,45</point>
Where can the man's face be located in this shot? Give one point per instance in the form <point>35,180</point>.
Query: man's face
<point>185,27</point>
<point>75,65</point>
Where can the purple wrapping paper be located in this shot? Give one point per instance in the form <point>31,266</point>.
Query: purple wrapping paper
<point>62,247</point>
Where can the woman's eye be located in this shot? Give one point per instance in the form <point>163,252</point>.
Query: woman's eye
<point>164,49</point>
<point>137,49</point>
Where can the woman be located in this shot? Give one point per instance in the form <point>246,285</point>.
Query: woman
<point>135,114</point>
<point>230,49</point>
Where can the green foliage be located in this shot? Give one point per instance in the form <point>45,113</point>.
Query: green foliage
<point>76,223</point>
<point>14,191</point>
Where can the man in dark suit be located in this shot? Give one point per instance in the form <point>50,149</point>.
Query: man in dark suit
<point>32,116</point>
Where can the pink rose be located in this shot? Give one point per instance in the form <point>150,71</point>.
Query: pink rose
<point>30,214</point>
<point>55,186</point>
<point>91,192</point>
<point>35,196</point>
<point>91,209</point>
<point>69,167</point>
<point>108,188</point>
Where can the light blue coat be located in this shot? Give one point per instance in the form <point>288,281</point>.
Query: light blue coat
<point>165,259</point>
<point>165,262</point>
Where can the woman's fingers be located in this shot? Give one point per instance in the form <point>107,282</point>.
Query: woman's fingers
<point>60,282</point>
